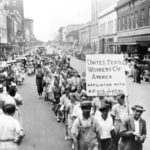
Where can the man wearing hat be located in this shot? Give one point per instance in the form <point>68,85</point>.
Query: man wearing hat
<point>106,126</point>
<point>86,130</point>
<point>119,113</point>
<point>133,130</point>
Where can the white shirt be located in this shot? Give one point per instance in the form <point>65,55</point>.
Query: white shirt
<point>9,129</point>
<point>137,127</point>
<point>10,100</point>
<point>106,126</point>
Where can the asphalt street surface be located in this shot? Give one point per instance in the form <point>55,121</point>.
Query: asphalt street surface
<point>41,129</point>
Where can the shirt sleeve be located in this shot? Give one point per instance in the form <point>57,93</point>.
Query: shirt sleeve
<point>62,100</point>
<point>113,111</point>
<point>96,126</point>
<point>75,127</point>
<point>18,127</point>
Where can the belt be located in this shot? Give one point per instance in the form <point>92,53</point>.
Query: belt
<point>118,119</point>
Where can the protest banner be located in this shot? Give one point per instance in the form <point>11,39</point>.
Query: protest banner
<point>105,75</point>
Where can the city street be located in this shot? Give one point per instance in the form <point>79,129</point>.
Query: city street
<point>41,129</point>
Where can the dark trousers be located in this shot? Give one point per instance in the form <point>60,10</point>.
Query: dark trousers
<point>106,144</point>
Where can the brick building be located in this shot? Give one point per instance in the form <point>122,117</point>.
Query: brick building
<point>134,26</point>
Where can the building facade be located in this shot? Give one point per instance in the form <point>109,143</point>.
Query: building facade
<point>85,36</point>
<point>134,26</point>
<point>28,28</point>
<point>69,33</point>
<point>95,9</point>
<point>3,32</point>
<point>107,25</point>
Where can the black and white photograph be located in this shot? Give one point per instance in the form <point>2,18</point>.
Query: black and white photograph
<point>74,74</point>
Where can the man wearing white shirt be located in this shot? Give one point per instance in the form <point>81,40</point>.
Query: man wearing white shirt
<point>106,126</point>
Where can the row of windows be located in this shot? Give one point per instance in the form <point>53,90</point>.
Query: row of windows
<point>134,20</point>
<point>108,28</point>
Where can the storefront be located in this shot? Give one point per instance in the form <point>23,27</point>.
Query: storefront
<point>5,51</point>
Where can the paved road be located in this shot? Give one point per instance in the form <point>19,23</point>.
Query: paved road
<point>138,94</point>
<point>42,130</point>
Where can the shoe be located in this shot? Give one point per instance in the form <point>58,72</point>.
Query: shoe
<point>72,147</point>
<point>58,120</point>
<point>66,138</point>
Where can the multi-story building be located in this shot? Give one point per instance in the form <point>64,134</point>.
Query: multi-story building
<point>71,32</point>
<point>134,26</point>
<point>85,36</point>
<point>60,31</point>
<point>28,28</point>
<point>3,25</point>
<point>3,32</point>
<point>97,6</point>
<point>107,25</point>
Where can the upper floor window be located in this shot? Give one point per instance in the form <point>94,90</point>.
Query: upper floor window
<point>128,22</point>
<point>136,19</point>
<point>119,24</point>
<point>132,21</point>
<point>142,17</point>
<point>123,23</point>
<point>149,15</point>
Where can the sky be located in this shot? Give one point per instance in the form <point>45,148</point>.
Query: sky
<point>49,15</point>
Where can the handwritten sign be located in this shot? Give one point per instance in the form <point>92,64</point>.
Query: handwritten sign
<point>105,75</point>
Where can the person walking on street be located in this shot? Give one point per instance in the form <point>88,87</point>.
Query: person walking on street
<point>86,130</point>
<point>119,113</point>
<point>106,126</point>
<point>133,130</point>
<point>39,82</point>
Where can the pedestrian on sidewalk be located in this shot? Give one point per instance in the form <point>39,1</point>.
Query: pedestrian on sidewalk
<point>133,130</point>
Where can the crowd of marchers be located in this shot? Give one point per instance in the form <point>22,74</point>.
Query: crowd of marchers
<point>91,123</point>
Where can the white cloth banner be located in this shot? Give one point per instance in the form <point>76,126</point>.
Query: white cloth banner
<point>105,75</point>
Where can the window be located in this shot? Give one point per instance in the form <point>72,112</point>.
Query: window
<point>123,23</point>
<point>115,25</point>
<point>119,24</point>
<point>128,22</point>
<point>132,21</point>
<point>142,18</point>
<point>149,15</point>
<point>136,19</point>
